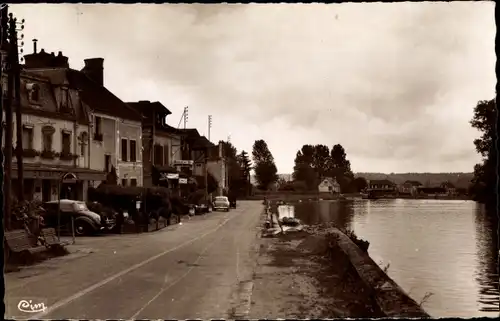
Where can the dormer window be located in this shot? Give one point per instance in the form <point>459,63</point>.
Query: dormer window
<point>64,99</point>
<point>33,92</point>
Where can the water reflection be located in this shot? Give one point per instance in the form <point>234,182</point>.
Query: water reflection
<point>447,248</point>
<point>487,267</point>
<point>325,213</point>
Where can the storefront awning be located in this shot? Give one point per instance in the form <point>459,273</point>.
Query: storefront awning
<point>57,172</point>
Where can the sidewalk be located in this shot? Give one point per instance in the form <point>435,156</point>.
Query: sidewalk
<point>99,247</point>
<point>294,278</point>
<point>124,272</point>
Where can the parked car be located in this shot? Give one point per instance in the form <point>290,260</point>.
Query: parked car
<point>221,203</point>
<point>86,222</point>
<point>107,213</point>
<point>203,207</point>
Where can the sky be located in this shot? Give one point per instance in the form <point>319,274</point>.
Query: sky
<point>394,83</point>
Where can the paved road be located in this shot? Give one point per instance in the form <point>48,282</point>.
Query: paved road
<point>200,269</point>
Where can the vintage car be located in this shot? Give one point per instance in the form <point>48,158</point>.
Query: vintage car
<point>221,203</point>
<point>86,222</point>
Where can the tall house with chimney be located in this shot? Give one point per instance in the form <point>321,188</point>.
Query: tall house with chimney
<point>55,131</point>
<point>113,136</point>
<point>161,143</point>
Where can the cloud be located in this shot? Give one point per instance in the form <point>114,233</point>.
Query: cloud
<point>395,83</point>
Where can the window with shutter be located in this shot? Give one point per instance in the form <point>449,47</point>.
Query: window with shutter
<point>166,152</point>
<point>133,151</point>
<point>124,150</point>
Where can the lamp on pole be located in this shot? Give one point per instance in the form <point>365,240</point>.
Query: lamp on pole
<point>65,178</point>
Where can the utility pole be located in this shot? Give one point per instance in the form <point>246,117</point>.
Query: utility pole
<point>7,186</point>
<point>152,141</point>
<point>16,70</point>
<point>209,125</point>
<point>185,116</point>
<point>3,41</point>
<point>206,158</point>
<point>226,161</point>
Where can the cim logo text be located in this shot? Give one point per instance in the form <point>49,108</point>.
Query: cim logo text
<point>30,307</point>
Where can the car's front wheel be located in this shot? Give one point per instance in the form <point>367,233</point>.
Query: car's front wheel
<point>83,228</point>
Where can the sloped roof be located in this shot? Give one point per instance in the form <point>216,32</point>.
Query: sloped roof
<point>146,105</point>
<point>47,99</point>
<point>381,182</point>
<point>97,97</point>
<point>413,183</point>
<point>190,133</point>
<point>171,129</point>
<point>330,180</point>
<point>47,104</point>
<point>202,143</point>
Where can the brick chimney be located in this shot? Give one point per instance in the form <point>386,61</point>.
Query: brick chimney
<point>94,69</point>
<point>43,59</point>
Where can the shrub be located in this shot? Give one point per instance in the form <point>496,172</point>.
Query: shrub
<point>196,197</point>
<point>27,212</point>
<point>299,186</point>
<point>67,156</point>
<point>362,244</point>
<point>30,153</point>
<point>288,186</point>
<point>48,154</point>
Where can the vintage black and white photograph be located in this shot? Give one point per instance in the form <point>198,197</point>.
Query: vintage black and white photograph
<point>249,161</point>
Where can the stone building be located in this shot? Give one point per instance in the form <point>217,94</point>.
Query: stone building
<point>113,135</point>
<point>55,137</point>
<point>161,142</point>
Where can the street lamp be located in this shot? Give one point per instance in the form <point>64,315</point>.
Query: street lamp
<point>65,178</point>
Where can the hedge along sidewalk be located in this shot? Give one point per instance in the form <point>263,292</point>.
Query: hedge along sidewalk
<point>390,297</point>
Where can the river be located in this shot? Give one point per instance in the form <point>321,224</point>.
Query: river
<point>444,248</point>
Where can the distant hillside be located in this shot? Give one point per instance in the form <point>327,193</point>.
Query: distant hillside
<point>428,179</point>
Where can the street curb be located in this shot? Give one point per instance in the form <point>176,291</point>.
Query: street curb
<point>392,300</point>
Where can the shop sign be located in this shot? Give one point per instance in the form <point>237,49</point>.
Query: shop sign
<point>166,176</point>
<point>183,163</point>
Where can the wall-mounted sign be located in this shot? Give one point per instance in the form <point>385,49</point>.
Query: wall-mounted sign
<point>165,176</point>
<point>183,181</point>
<point>183,163</point>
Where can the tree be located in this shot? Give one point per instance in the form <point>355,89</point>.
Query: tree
<point>483,185</point>
<point>358,184</point>
<point>264,166</point>
<point>340,167</point>
<point>245,166</point>
<point>304,166</point>
<point>245,163</point>
<point>321,160</point>
<point>236,178</point>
